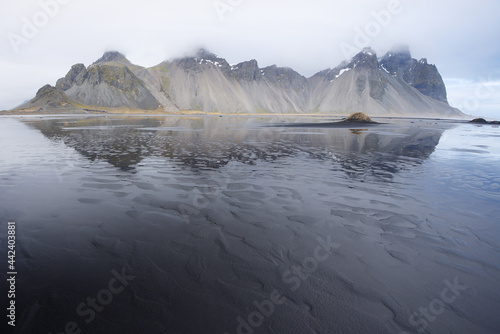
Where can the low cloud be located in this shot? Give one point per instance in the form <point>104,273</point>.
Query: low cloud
<point>307,36</point>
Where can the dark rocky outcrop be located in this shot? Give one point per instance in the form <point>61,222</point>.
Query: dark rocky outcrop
<point>49,98</point>
<point>107,83</point>
<point>426,78</point>
<point>483,121</point>
<point>202,60</point>
<point>248,70</point>
<point>112,56</point>
<point>419,74</point>
<point>284,77</point>
<point>479,121</point>
<point>76,75</point>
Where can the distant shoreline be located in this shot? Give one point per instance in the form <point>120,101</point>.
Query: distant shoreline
<point>203,113</point>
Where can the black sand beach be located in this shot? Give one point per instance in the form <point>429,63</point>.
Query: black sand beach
<point>200,224</point>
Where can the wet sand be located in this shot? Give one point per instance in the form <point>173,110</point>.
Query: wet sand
<point>229,225</point>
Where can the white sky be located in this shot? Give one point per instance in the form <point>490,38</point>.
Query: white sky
<point>460,37</point>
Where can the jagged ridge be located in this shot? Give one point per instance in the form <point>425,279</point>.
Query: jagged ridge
<point>395,84</point>
<point>108,82</point>
<point>419,74</point>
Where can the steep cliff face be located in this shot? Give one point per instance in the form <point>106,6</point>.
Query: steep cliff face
<point>395,84</point>
<point>76,75</point>
<point>419,74</point>
<point>109,82</point>
<point>386,87</point>
<point>426,78</point>
<point>245,71</point>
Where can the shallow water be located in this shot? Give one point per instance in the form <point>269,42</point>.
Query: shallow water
<point>237,225</point>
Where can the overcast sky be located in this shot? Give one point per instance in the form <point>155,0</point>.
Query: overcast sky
<point>41,39</point>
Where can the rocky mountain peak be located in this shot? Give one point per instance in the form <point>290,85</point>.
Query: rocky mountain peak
<point>205,54</point>
<point>367,58</point>
<point>247,70</point>
<point>48,98</point>
<point>419,74</point>
<point>368,51</point>
<point>201,59</point>
<point>284,77</point>
<point>398,59</point>
<point>111,56</point>
<point>44,91</point>
<point>119,86</point>
<point>76,75</point>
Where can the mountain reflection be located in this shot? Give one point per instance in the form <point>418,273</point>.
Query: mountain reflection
<point>212,142</point>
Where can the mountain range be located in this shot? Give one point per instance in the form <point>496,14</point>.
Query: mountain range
<point>395,84</point>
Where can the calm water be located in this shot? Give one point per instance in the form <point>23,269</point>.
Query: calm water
<point>237,225</point>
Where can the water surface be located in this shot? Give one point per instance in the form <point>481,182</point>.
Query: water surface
<point>215,215</point>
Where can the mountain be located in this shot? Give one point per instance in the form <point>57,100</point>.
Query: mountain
<point>424,77</point>
<point>108,82</point>
<point>394,84</point>
<point>367,85</point>
<point>49,98</point>
<point>208,83</point>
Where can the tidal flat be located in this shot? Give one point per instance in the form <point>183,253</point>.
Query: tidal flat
<point>238,224</point>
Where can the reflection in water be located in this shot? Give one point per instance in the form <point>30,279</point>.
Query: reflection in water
<point>357,131</point>
<point>213,214</point>
<point>212,142</point>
